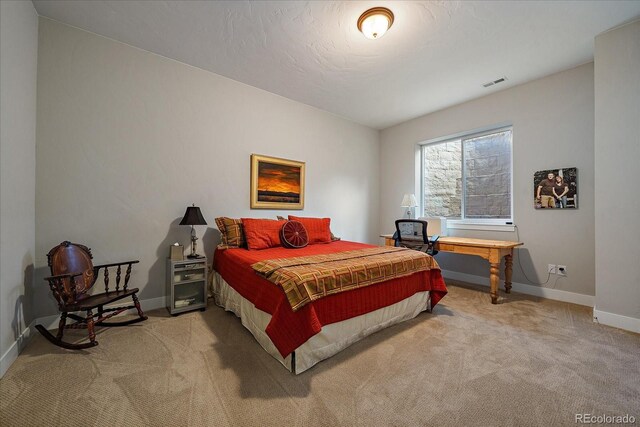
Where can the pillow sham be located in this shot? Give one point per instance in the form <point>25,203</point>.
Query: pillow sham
<point>262,233</point>
<point>318,229</point>
<point>232,233</point>
<point>294,235</point>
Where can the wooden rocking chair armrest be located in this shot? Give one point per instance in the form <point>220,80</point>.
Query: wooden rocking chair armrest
<point>127,274</point>
<point>60,292</point>
<point>114,264</point>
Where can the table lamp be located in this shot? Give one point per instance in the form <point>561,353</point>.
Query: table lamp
<point>409,201</point>
<point>192,217</point>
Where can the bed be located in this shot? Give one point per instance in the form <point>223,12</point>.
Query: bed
<point>301,337</point>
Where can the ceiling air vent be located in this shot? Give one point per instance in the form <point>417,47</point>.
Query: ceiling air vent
<point>495,82</point>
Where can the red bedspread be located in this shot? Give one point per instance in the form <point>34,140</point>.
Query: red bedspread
<point>288,330</point>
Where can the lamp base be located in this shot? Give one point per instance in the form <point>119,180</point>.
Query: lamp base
<point>195,256</point>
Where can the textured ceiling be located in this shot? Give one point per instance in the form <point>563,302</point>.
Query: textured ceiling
<point>437,54</point>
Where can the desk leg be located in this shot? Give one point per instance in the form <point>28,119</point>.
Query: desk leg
<point>508,269</point>
<point>495,280</point>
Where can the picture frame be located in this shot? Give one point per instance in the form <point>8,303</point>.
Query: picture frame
<point>277,183</point>
<point>555,188</point>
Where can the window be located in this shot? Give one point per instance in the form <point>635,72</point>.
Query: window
<point>468,178</point>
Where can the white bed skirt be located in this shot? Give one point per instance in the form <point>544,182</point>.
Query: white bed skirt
<point>332,339</point>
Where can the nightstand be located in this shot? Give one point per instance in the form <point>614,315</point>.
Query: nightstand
<point>186,285</point>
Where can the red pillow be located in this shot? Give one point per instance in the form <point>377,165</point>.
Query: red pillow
<point>262,233</point>
<point>318,229</point>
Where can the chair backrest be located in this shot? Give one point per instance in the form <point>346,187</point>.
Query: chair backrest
<point>422,243</point>
<point>72,258</point>
<point>423,232</point>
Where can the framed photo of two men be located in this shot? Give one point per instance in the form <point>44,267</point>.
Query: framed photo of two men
<point>556,189</point>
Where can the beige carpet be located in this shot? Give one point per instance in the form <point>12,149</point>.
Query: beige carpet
<point>524,362</point>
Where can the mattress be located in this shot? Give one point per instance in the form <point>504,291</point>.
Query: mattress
<point>332,339</point>
<point>287,330</point>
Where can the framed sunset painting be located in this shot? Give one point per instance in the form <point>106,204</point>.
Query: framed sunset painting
<point>276,183</point>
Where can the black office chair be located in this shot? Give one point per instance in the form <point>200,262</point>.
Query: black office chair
<point>419,243</point>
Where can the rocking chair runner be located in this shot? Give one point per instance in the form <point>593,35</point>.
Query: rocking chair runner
<point>73,275</point>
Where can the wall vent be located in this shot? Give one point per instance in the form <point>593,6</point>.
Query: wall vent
<point>495,82</point>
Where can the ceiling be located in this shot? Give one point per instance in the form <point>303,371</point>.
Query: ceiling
<point>437,54</point>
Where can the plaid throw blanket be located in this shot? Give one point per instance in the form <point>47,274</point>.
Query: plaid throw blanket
<point>306,279</point>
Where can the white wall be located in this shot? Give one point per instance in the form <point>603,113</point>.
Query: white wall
<point>552,128</point>
<point>128,139</point>
<point>18,66</point>
<point>617,153</point>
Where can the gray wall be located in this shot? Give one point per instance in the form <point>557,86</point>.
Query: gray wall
<point>18,66</point>
<point>552,121</point>
<point>128,139</point>
<point>617,152</point>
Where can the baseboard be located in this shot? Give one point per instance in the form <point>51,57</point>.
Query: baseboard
<point>16,348</point>
<point>51,322</point>
<point>616,320</point>
<point>538,291</point>
<point>153,303</point>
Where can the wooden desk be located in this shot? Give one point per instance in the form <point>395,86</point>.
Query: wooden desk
<point>491,250</point>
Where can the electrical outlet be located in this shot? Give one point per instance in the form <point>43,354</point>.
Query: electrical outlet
<point>562,270</point>
<point>551,269</point>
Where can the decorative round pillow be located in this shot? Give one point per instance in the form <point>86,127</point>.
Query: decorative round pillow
<point>294,235</point>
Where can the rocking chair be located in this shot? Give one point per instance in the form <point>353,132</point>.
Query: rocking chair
<point>73,276</point>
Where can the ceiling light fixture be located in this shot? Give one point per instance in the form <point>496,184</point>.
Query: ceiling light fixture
<point>374,22</point>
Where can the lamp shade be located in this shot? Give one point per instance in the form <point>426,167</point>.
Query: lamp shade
<point>409,201</point>
<point>193,216</point>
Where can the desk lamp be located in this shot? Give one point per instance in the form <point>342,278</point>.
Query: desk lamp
<point>192,217</point>
<point>409,201</point>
